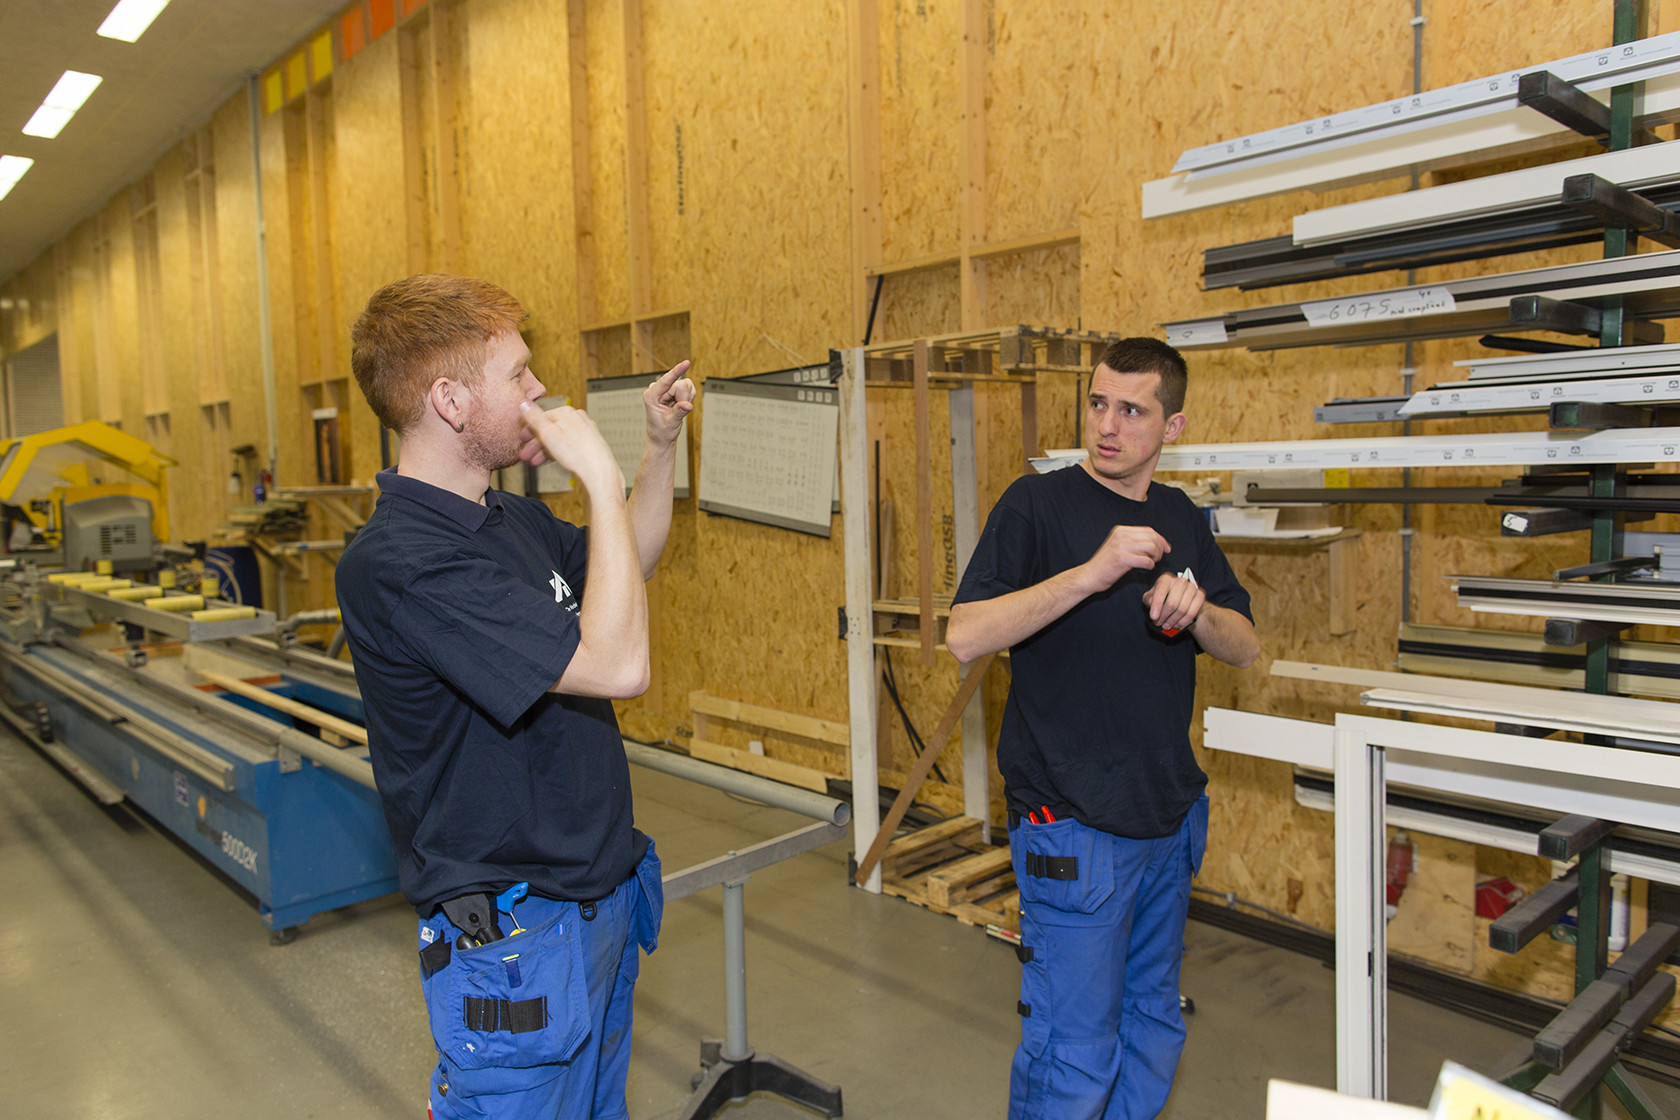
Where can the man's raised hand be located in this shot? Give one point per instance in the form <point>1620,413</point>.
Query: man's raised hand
<point>1126,547</point>
<point>668,400</point>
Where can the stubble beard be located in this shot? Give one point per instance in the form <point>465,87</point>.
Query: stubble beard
<point>487,449</point>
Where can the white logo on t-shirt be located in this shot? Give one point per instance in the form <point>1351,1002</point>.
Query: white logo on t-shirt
<point>561,587</point>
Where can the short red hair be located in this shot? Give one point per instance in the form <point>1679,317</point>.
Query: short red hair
<point>416,330</point>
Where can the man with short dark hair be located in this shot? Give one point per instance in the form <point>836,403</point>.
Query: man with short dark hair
<point>1104,585</point>
<point>490,639</point>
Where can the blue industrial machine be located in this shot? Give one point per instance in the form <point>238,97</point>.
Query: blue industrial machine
<point>109,676</point>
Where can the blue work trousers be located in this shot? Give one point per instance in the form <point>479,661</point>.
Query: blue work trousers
<point>1102,934</point>
<point>537,1025</point>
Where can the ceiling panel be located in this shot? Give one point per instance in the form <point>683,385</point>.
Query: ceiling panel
<point>191,60</point>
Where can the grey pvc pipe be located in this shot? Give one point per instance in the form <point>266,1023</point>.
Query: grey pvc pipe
<point>804,802</point>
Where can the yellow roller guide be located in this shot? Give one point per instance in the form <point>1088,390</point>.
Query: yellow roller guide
<point>106,584</point>
<point>177,603</point>
<point>134,594</point>
<point>224,614</point>
<point>73,577</point>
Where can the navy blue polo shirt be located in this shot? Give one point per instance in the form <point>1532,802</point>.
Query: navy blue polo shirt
<point>460,617</point>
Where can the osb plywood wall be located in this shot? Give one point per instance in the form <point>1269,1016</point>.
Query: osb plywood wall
<point>681,176</point>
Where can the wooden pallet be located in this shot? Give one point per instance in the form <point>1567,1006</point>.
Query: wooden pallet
<point>947,868</point>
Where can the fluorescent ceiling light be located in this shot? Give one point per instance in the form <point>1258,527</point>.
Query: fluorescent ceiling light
<point>130,18</point>
<point>11,170</point>
<point>72,89</point>
<point>47,122</point>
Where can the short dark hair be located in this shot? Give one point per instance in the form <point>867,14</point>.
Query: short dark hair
<point>1151,355</point>
<point>416,330</point>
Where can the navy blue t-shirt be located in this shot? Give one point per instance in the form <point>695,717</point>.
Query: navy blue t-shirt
<point>460,617</point>
<point>1097,725</point>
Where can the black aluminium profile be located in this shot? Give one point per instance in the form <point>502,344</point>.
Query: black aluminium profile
<point>1585,595</point>
<point>1272,261</point>
<point>1539,659</point>
<point>1587,503</point>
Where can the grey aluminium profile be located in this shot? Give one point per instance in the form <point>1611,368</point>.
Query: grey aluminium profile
<point>1658,604</point>
<point>1636,668</point>
<point>1648,284</point>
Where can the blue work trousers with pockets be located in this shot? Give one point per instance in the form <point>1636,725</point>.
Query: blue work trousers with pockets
<point>1102,935</point>
<point>537,1025</point>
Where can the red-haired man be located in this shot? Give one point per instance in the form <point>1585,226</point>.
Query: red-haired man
<point>490,640</point>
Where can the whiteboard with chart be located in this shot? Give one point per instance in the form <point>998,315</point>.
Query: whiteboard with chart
<point>615,404</point>
<point>769,452</point>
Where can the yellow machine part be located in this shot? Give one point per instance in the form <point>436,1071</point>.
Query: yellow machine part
<point>70,449</point>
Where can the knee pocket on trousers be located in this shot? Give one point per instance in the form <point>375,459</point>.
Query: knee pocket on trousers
<point>513,1004</point>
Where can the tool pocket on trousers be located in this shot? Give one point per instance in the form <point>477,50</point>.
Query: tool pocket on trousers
<point>1064,866</point>
<point>513,1003</point>
<point>649,911</point>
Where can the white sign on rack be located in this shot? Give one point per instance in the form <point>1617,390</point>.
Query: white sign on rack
<point>1403,304</point>
<point>1191,333</point>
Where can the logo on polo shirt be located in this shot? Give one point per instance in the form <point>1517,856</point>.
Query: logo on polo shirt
<point>562,589</point>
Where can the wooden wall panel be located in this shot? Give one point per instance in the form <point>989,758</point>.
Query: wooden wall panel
<point>178,345</point>
<point>1037,82</point>
<point>283,245</point>
<point>29,311</point>
<point>921,114</point>
<point>747,164</point>
<point>119,365</point>
<point>369,224</point>
<point>604,63</point>
<point>917,304</point>
<point>74,322</point>
<point>236,247</point>
<point>744,223</point>
<point>517,214</point>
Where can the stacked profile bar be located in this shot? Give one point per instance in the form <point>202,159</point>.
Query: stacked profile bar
<point>1559,298</point>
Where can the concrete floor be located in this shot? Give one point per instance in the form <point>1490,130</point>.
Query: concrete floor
<point>136,984</point>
